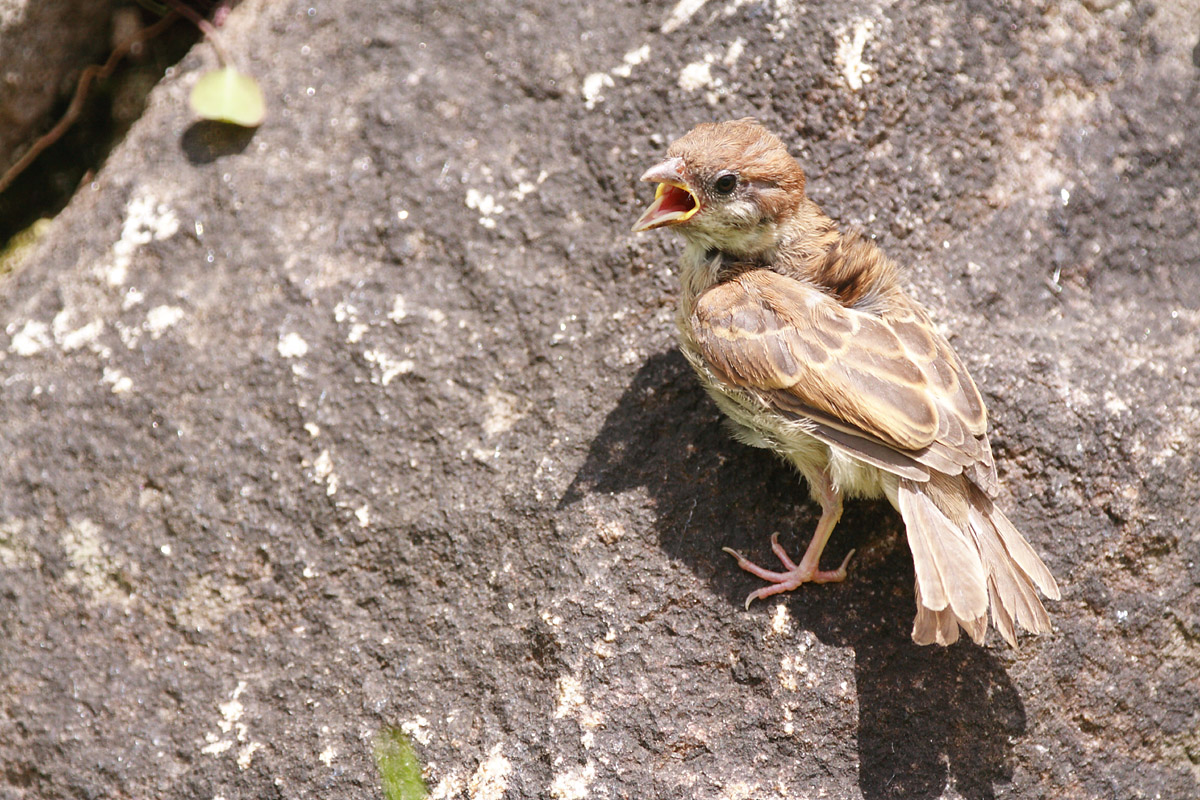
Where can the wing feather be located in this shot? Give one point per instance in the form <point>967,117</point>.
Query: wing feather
<point>949,377</point>
<point>871,384</point>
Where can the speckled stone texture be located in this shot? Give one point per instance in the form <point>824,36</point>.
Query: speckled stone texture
<point>373,418</point>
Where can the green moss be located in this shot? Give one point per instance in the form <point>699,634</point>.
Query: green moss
<point>20,244</point>
<point>398,767</point>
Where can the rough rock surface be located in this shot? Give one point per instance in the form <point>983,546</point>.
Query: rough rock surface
<point>373,418</point>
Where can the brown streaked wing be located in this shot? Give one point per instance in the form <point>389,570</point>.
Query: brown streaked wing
<point>963,414</point>
<point>864,446</point>
<point>763,331</point>
<point>948,378</point>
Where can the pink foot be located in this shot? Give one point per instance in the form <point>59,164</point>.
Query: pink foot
<point>793,577</point>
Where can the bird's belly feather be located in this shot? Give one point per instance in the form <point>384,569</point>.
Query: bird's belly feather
<point>787,437</point>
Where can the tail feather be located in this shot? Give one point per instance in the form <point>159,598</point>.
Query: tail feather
<point>964,567</point>
<point>949,571</point>
<point>933,627</point>
<point>1010,585</point>
<point>1018,549</point>
<point>1000,616</point>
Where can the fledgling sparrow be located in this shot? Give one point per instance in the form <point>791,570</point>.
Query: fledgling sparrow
<point>804,338</point>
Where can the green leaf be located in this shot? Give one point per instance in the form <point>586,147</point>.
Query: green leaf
<point>398,767</point>
<point>226,95</point>
<point>13,253</point>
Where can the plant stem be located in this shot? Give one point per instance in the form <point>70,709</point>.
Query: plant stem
<point>89,74</point>
<point>206,27</point>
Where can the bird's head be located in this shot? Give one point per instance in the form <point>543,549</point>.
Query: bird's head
<point>726,186</point>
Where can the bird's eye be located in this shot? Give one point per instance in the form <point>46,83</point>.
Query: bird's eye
<point>725,183</point>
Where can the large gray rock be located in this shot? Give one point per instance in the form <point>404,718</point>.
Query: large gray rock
<point>373,419</point>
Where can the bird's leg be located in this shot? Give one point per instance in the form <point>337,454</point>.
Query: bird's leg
<point>807,570</point>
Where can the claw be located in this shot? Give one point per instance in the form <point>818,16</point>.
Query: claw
<point>834,575</point>
<point>793,578</point>
<point>808,570</point>
<point>780,553</point>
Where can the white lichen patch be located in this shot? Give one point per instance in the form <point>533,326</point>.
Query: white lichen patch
<point>851,42</point>
<point>570,702</point>
<point>490,780</point>
<point>792,670</point>
<point>345,312</point>
<point>246,754</point>
<point>504,409</point>
<point>230,722</point>
<point>92,567</point>
<point>569,698</point>
<point>1113,404</point>
<point>146,220</point>
<point>388,366</point>
<point>486,205</point>
<point>594,86</point>
<point>323,472</point>
<point>70,338</point>
<point>119,382</point>
<point>365,326</point>
<point>31,339</point>
<point>292,345</point>
<point>129,335</point>
<point>595,83</point>
<point>418,730</point>
<point>609,531</point>
<point>739,790</point>
<point>574,784</point>
<point>603,648</point>
<point>1176,436</point>
<point>781,25</point>
<point>696,76</point>
<point>399,309</point>
<point>524,187</point>
<point>451,785</point>
<point>630,60</point>
<point>232,709</point>
<point>216,745</point>
<point>206,604</point>
<point>1034,166</point>
<point>680,13</point>
<point>781,621</point>
<point>15,549</point>
<point>736,48</point>
<point>363,515</point>
<point>160,318</point>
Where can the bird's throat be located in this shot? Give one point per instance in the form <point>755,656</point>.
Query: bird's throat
<point>699,268</point>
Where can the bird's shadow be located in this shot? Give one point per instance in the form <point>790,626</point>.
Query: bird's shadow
<point>926,714</point>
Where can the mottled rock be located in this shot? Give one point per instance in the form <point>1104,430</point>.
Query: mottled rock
<point>374,419</point>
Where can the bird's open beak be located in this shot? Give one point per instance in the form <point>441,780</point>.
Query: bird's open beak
<point>673,202</point>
